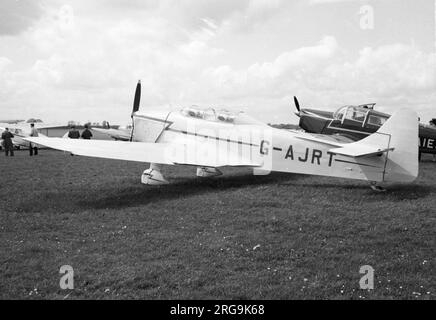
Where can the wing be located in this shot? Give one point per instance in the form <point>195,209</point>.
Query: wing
<point>115,133</point>
<point>49,126</point>
<point>204,154</point>
<point>140,152</point>
<point>17,132</point>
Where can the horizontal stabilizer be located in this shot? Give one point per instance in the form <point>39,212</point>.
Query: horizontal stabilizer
<point>324,140</point>
<point>360,150</point>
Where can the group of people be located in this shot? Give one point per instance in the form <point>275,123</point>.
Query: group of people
<point>75,134</point>
<point>9,145</point>
<point>33,149</point>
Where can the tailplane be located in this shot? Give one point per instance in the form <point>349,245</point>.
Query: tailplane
<point>398,139</point>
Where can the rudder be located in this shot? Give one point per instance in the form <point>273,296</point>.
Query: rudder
<point>401,130</point>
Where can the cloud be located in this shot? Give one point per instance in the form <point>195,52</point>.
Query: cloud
<point>18,16</point>
<point>332,1</point>
<point>325,76</point>
<point>390,70</point>
<point>277,77</point>
<point>4,62</point>
<point>75,65</point>
<point>93,64</point>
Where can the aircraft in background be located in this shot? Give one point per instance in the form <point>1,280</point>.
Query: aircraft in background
<point>21,130</point>
<point>11,121</point>
<point>209,139</point>
<point>427,138</point>
<point>357,122</point>
<point>118,134</point>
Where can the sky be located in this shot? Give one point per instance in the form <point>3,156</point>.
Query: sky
<point>80,60</point>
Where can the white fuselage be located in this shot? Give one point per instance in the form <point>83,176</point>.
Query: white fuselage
<point>274,149</point>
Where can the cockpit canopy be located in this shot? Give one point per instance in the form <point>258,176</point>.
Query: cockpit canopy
<point>363,114</point>
<point>225,116</point>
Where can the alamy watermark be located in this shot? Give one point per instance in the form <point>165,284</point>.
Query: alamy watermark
<point>67,280</point>
<point>367,20</point>
<point>367,280</point>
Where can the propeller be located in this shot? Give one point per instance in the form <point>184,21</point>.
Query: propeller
<point>137,98</point>
<point>136,102</point>
<point>105,124</point>
<point>297,105</point>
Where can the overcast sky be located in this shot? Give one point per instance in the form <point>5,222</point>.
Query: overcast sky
<point>80,60</point>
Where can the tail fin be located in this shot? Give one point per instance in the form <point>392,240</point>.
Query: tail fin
<point>400,135</point>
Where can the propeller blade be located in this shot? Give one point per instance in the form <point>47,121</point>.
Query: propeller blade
<point>137,99</point>
<point>136,102</point>
<point>297,104</point>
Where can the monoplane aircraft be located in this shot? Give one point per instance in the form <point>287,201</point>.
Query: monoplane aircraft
<point>211,139</point>
<point>21,129</point>
<point>13,121</point>
<point>357,122</point>
<point>118,134</point>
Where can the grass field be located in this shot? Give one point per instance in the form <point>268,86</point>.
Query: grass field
<point>283,236</point>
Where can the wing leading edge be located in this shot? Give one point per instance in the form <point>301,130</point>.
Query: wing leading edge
<point>163,153</point>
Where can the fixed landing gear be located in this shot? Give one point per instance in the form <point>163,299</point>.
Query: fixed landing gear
<point>207,172</point>
<point>153,176</point>
<point>376,187</point>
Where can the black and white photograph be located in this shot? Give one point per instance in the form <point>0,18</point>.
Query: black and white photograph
<point>232,152</point>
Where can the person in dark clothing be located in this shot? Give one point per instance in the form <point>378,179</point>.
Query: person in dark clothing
<point>32,147</point>
<point>73,133</point>
<point>86,134</point>
<point>7,142</point>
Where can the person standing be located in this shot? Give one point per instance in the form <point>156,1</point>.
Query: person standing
<point>33,149</point>
<point>86,134</point>
<point>7,142</point>
<point>73,133</point>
